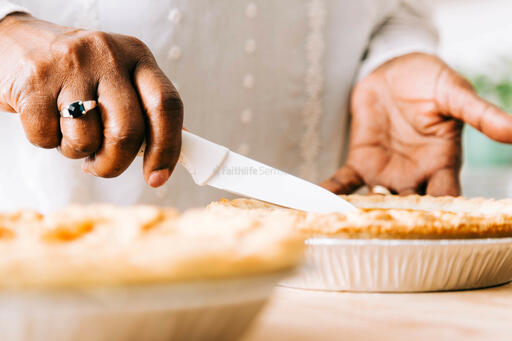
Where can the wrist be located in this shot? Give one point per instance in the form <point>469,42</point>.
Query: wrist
<point>21,32</point>
<point>13,19</point>
<point>9,26</point>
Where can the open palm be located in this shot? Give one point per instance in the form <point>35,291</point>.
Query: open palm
<point>407,119</point>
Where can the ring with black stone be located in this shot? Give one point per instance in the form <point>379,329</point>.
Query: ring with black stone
<point>78,109</point>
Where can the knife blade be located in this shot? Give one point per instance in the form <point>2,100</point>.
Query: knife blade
<point>211,164</point>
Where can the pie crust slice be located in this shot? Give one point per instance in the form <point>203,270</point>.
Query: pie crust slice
<point>400,217</point>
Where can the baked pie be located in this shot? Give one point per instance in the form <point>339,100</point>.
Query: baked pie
<point>399,217</point>
<point>400,244</point>
<point>107,245</point>
<point>140,272</point>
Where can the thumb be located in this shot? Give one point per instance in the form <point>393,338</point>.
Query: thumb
<point>345,181</point>
<point>459,100</point>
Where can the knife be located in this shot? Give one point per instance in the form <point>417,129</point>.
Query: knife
<point>211,164</point>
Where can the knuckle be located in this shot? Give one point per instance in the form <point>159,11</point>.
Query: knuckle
<point>97,39</point>
<point>40,131</point>
<point>70,54</point>
<point>109,172</point>
<point>84,48</point>
<point>42,140</point>
<point>103,44</point>
<point>171,101</point>
<point>122,146</point>
<point>84,147</point>
<point>166,101</point>
<point>104,167</point>
<point>71,153</point>
<point>126,140</point>
<point>45,143</point>
<point>136,42</point>
<point>168,151</point>
<point>66,48</point>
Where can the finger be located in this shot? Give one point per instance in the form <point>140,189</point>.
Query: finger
<point>463,103</point>
<point>123,127</point>
<point>81,137</point>
<point>444,182</point>
<point>6,108</point>
<point>411,189</point>
<point>40,119</point>
<point>345,181</point>
<point>407,191</point>
<point>164,113</point>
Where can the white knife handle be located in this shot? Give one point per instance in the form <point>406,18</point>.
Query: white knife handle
<point>200,157</point>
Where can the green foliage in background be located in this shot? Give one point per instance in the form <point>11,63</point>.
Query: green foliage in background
<point>479,150</point>
<point>499,92</point>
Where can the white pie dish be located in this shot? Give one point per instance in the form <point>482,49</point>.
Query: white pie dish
<point>201,310</point>
<point>384,265</point>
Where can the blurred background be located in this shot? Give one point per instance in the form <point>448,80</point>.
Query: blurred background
<point>476,40</point>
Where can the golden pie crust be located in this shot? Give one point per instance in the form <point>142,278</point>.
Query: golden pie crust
<point>107,245</point>
<point>400,217</point>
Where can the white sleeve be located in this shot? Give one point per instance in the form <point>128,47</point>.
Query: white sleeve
<point>7,8</point>
<point>408,29</point>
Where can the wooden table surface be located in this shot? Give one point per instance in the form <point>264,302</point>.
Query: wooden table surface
<point>298,315</point>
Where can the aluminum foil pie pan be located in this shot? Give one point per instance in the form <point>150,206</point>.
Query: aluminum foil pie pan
<point>380,265</point>
<point>209,310</point>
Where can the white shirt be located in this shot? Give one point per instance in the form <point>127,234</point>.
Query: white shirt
<point>269,79</point>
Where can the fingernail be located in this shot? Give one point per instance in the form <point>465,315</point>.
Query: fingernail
<point>159,177</point>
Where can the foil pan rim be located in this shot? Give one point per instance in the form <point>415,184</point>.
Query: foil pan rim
<point>318,241</point>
